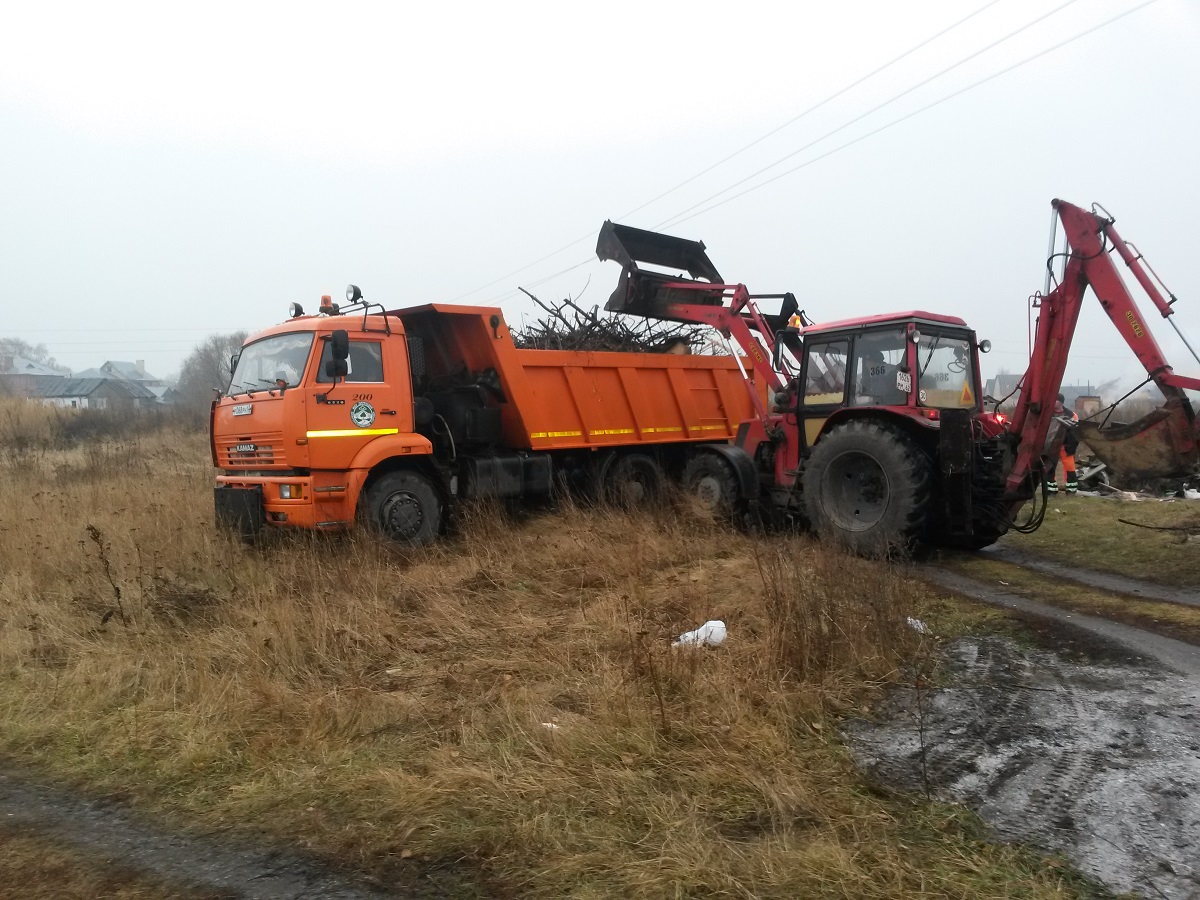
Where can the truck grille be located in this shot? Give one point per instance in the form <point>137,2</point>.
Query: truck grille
<point>250,452</point>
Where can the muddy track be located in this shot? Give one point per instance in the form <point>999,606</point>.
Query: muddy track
<point>1105,581</point>
<point>218,865</point>
<point>1087,743</point>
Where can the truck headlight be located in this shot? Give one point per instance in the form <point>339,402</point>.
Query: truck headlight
<point>289,492</point>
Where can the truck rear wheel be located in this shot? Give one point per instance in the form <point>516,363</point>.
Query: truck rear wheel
<point>712,483</point>
<point>405,507</point>
<point>866,487</point>
<point>633,480</point>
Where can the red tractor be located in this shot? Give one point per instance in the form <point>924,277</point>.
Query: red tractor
<point>876,434</point>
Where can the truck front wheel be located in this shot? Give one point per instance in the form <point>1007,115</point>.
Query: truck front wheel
<point>867,487</point>
<point>405,507</point>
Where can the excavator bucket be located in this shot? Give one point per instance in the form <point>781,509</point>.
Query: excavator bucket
<point>645,292</point>
<point>1155,446</point>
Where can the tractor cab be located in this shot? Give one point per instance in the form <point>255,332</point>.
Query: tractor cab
<point>916,363</point>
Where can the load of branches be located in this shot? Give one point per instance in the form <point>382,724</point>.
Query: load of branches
<point>565,325</point>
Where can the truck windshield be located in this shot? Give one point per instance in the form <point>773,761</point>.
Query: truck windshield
<point>273,362</point>
<point>947,377</point>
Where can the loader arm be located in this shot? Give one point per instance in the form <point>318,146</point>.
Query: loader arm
<point>1163,443</point>
<point>729,308</point>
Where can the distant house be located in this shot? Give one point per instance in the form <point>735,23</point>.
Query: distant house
<point>1004,387</point>
<point>130,371</point>
<point>18,375</point>
<point>94,393</point>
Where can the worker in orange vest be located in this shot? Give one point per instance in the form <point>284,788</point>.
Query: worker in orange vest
<point>1066,453</point>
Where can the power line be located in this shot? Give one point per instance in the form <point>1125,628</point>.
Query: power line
<point>677,220</point>
<point>681,217</point>
<point>726,159</point>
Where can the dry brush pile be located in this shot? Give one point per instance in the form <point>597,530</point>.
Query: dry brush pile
<point>499,715</point>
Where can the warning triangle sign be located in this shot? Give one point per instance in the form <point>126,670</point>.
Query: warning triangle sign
<point>967,396</point>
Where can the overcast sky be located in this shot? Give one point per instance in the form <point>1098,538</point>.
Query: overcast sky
<point>169,170</point>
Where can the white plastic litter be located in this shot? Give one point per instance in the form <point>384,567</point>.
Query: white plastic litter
<point>710,633</point>
<point>918,626</point>
<point>1189,494</point>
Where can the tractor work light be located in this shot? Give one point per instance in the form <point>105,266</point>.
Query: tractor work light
<point>295,310</point>
<point>985,346</point>
<point>353,294</point>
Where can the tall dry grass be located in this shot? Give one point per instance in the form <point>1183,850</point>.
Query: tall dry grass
<point>500,715</point>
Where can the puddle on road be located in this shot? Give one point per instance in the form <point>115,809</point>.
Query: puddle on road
<point>1098,760</point>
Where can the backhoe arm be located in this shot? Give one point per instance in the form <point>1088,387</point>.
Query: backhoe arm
<point>1168,437</point>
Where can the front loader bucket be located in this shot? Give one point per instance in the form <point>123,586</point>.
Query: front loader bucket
<point>642,292</point>
<point>1151,447</point>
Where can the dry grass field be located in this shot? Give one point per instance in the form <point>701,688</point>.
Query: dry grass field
<point>499,715</point>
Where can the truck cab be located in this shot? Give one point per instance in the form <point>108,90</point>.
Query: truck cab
<point>309,400</point>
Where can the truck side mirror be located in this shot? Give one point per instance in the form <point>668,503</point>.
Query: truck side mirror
<point>336,368</point>
<point>339,342</point>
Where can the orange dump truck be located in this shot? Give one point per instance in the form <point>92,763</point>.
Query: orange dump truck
<point>391,417</point>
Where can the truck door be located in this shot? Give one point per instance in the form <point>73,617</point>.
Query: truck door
<point>346,416</point>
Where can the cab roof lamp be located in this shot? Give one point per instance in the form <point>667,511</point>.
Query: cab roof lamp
<point>295,310</point>
<point>328,307</point>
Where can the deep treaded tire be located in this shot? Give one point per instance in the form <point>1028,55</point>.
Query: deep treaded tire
<point>866,487</point>
<point>711,481</point>
<point>634,481</point>
<point>405,507</point>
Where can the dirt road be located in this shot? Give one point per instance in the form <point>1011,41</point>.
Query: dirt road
<point>211,866</point>
<point>1086,743</point>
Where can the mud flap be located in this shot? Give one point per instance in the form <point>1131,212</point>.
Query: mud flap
<point>240,510</point>
<point>1155,446</point>
<point>955,457</point>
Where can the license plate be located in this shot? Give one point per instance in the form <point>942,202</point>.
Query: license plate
<point>904,382</point>
<point>243,409</point>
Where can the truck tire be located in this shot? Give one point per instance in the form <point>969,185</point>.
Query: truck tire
<point>405,507</point>
<point>633,480</point>
<point>712,483</point>
<point>867,488</point>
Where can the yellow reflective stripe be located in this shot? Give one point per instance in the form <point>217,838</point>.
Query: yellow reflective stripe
<point>662,430</point>
<point>354,432</point>
<point>612,431</point>
<point>550,434</point>
<point>709,428</point>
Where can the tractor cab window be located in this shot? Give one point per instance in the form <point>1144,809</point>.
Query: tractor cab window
<point>825,373</point>
<point>879,374</point>
<point>365,364</point>
<point>946,374</point>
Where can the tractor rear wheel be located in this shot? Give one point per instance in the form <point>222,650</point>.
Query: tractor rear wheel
<point>405,507</point>
<point>866,487</point>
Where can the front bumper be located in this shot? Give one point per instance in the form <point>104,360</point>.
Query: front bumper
<point>250,503</point>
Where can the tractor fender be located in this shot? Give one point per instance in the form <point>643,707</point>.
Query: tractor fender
<point>740,461</point>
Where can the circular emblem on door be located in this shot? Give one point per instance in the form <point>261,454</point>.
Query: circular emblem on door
<point>362,414</point>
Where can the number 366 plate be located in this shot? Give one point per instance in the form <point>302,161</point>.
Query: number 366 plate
<point>904,382</point>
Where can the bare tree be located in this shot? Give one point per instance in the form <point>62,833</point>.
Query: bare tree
<point>11,346</point>
<point>206,369</point>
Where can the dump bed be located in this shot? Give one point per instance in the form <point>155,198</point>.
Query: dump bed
<point>565,399</point>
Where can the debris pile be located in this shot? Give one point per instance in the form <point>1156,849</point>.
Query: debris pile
<point>568,326</point>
